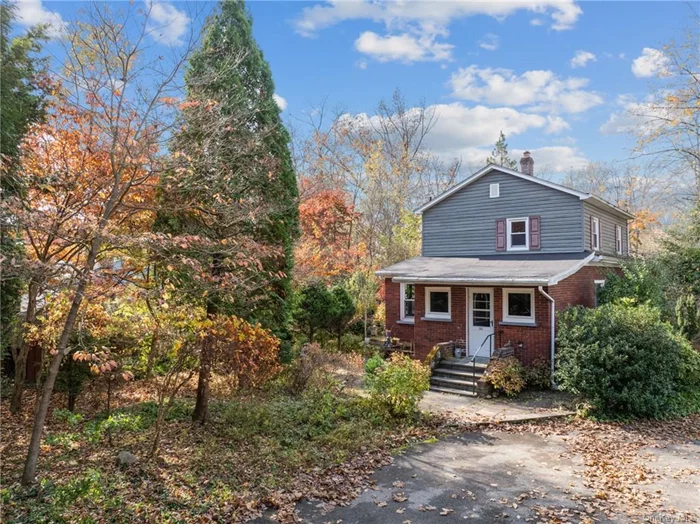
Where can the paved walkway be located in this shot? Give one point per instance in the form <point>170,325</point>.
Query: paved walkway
<point>527,406</point>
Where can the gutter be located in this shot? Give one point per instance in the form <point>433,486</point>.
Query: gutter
<point>466,280</point>
<point>552,321</point>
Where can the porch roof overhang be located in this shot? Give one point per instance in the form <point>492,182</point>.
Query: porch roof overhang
<point>495,270</point>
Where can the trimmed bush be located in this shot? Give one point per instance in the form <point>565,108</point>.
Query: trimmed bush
<point>507,375</point>
<point>625,361</point>
<point>538,375</point>
<point>399,384</point>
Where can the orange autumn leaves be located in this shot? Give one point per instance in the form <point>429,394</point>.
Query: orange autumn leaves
<point>326,249</point>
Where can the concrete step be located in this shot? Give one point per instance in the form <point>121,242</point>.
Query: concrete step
<point>467,374</point>
<point>462,366</point>
<point>452,383</point>
<point>460,392</point>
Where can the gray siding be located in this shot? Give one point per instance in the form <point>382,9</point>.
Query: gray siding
<point>464,224</point>
<point>608,221</point>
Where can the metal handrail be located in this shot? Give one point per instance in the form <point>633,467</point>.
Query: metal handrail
<point>473,359</point>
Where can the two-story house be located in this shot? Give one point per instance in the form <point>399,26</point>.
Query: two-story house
<point>502,252</point>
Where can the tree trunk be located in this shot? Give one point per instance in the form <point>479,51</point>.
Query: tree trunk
<point>200,408</point>
<point>21,360</point>
<point>152,353</point>
<point>207,354</point>
<point>43,405</point>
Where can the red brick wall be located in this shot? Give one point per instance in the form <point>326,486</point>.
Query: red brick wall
<point>530,341</point>
<point>392,292</point>
<point>579,288</point>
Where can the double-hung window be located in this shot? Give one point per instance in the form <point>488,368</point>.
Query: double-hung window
<point>595,234</point>
<point>618,240</point>
<point>437,303</point>
<point>518,234</point>
<point>519,306</point>
<point>408,300</point>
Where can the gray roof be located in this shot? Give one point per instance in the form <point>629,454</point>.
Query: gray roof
<point>525,269</point>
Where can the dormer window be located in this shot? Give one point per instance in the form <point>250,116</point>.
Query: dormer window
<point>518,234</point>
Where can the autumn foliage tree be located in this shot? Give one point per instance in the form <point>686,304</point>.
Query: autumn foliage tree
<point>110,114</point>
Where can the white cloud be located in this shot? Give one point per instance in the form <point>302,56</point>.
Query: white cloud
<point>431,16</point>
<point>539,90</point>
<point>581,59</point>
<point>536,22</point>
<point>470,132</point>
<point>403,48</point>
<point>633,116</point>
<point>32,12</point>
<point>651,62</point>
<point>167,24</point>
<point>413,27</point>
<point>362,64</point>
<point>280,101</point>
<point>490,42</point>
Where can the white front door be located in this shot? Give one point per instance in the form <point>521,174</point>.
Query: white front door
<point>480,320</point>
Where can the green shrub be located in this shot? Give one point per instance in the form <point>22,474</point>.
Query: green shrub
<point>373,364</point>
<point>538,375</point>
<point>399,385</point>
<point>625,361</point>
<point>507,375</point>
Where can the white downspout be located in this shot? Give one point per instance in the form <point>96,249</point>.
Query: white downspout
<point>552,319</point>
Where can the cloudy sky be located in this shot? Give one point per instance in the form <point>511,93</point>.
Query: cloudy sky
<point>556,76</point>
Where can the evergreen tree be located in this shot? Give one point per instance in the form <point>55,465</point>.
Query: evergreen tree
<point>341,312</point>
<point>499,155</point>
<point>21,104</point>
<point>235,189</point>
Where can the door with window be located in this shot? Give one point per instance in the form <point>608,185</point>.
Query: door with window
<point>480,320</point>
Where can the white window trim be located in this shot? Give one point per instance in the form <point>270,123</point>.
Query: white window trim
<point>403,316</point>
<point>618,243</point>
<point>596,234</point>
<point>438,315</point>
<point>494,190</point>
<point>528,321</point>
<point>526,247</point>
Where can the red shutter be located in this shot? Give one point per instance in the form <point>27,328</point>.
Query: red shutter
<point>535,237</point>
<point>592,244</point>
<point>501,234</point>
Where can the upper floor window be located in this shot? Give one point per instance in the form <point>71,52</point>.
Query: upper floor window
<point>595,234</point>
<point>494,190</point>
<point>408,300</point>
<point>518,234</point>
<point>437,303</point>
<point>618,240</point>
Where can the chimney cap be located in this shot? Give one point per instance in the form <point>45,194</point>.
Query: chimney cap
<point>526,154</point>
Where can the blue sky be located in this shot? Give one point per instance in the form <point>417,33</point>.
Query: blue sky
<point>556,76</point>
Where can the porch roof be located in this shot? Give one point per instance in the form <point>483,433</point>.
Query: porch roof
<point>520,269</point>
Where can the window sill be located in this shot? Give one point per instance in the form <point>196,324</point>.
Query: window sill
<point>406,322</point>
<point>519,324</point>
<point>437,319</point>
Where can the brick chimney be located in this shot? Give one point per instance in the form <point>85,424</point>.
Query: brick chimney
<point>527,164</point>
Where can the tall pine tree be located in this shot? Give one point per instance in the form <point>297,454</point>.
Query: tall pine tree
<point>236,187</point>
<point>499,155</point>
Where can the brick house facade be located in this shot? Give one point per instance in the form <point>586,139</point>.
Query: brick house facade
<point>501,253</point>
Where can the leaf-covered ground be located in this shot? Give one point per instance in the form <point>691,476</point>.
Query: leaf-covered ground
<point>258,452</point>
<point>263,453</point>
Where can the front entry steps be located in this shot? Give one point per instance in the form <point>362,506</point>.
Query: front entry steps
<point>457,376</point>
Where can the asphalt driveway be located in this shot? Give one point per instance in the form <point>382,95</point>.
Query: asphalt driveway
<point>494,476</point>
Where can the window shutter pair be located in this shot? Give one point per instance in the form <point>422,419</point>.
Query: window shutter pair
<point>534,234</point>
